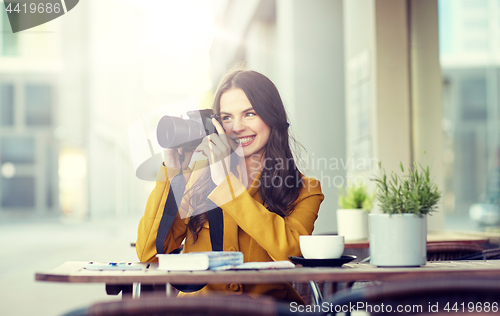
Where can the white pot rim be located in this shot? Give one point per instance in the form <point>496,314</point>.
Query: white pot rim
<point>399,215</point>
<point>352,209</point>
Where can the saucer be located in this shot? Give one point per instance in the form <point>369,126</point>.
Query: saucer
<point>322,262</point>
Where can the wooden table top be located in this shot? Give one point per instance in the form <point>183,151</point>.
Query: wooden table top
<point>74,272</point>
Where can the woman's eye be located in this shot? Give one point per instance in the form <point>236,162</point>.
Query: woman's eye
<point>225,118</point>
<point>250,114</point>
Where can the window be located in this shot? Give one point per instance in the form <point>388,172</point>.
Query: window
<point>471,123</point>
<point>28,152</point>
<point>6,105</point>
<point>10,41</point>
<point>17,149</point>
<point>38,105</point>
<point>473,98</point>
<point>18,192</point>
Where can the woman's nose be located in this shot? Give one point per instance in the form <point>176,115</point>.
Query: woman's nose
<point>238,126</point>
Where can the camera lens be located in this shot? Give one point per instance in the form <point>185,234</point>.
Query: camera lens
<point>172,132</point>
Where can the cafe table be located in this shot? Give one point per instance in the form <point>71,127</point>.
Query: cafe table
<point>75,272</point>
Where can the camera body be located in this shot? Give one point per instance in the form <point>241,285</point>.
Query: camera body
<point>175,132</point>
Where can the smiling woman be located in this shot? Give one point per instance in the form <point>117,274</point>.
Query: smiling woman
<point>265,218</point>
<point>240,120</point>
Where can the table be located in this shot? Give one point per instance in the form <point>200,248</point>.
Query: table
<point>73,272</point>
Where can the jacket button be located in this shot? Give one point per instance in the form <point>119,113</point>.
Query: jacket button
<point>231,249</point>
<point>234,287</point>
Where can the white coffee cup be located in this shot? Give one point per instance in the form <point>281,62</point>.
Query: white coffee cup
<point>321,246</point>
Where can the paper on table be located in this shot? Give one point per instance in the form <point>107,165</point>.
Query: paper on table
<point>113,266</point>
<point>258,266</point>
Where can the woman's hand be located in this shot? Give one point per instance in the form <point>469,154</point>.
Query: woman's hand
<point>171,158</point>
<point>217,149</point>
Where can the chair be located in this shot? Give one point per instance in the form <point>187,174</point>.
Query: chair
<point>215,305</point>
<point>442,251</point>
<point>310,291</point>
<point>488,254</point>
<point>422,296</point>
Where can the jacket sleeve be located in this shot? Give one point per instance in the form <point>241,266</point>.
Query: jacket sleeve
<point>150,221</point>
<point>277,235</point>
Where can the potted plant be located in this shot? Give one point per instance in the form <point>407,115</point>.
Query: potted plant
<point>398,235</point>
<point>352,217</point>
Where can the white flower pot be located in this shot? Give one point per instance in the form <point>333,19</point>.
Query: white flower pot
<point>398,240</point>
<point>352,224</point>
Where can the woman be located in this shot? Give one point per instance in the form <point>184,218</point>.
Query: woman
<point>266,217</point>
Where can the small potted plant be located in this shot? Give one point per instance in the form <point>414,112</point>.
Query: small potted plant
<point>352,217</point>
<point>398,235</point>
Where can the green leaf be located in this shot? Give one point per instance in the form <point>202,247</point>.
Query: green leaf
<point>412,192</point>
<point>354,197</point>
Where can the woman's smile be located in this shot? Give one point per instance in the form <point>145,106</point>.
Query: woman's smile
<point>244,141</point>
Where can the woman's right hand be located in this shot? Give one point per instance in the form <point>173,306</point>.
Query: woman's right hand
<point>171,158</point>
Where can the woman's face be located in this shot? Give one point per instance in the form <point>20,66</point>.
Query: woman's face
<point>242,124</point>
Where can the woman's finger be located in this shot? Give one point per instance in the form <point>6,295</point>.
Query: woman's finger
<point>211,147</point>
<point>218,127</point>
<point>216,140</point>
<point>221,148</point>
<point>221,140</point>
<point>207,149</point>
<point>227,141</point>
<point>203,147</point>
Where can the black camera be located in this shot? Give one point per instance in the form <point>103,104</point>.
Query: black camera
<point>175,132</point>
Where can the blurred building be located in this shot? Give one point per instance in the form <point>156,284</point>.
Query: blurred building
<point>360,80</point>
<point>29,117</point>
<point>71,88</point>
<point>470,58</point>
<point>299,46</point>
<point>363,81</point>
<point>67,98</point>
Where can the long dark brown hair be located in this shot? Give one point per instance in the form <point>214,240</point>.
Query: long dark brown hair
<point>280,180</point>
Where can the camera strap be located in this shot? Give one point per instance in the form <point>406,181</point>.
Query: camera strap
<point>215,217</point>
<point>215,222</point>
<point>172,205</point>
<point>174,198</point>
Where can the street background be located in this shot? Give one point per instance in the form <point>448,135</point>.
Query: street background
<point>34,246</point>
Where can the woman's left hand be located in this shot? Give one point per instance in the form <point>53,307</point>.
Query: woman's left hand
<point>217,149</point>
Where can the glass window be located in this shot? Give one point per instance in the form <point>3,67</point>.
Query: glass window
<point>473,98</point>
<point>10,41</point>
<point>6,104</point>
<point>17,149</point>
<point>50,170</point>
<point>475,45</point>
<point>471,122</point>
<point>18,192</point>
<point>475,24</point>
<point>474,4</point>
<point>39,101</point>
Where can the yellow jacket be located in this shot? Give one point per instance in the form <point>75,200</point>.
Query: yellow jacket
<point>248,227</point>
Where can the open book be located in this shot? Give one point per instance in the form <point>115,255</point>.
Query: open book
<point>199,260</point>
